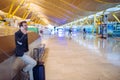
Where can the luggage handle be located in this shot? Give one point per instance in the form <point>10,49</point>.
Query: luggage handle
<point>40,53</point>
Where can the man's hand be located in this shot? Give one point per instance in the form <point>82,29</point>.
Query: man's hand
<point>24,32</point>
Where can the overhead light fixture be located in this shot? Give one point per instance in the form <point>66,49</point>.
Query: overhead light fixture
<point>113,9</point>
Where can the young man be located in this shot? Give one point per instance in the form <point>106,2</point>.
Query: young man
<point>21,41</point>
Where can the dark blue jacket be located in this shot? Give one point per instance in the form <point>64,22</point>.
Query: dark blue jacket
<point>21,41</point>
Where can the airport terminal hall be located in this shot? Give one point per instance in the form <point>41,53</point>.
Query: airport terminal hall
<point>59,39</point>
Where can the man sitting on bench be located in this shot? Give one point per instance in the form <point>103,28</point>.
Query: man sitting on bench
<point>21,41</point>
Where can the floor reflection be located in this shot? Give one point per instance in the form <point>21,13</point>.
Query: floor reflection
<point>108,48</point>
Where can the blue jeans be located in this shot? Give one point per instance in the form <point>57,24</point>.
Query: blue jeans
<point>30,64</point>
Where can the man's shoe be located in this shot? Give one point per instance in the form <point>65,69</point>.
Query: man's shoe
<point>25,75</point>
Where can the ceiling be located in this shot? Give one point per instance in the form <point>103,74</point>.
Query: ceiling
<point>57,12</point>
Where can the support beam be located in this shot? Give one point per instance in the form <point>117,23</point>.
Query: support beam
<point>24,14</point>
<point>27,14</point>
<point>40,21</point>
<point>11,7</point>
<point>95,26</point>
<point>36,20</point>
<point>26,11</point>
<point>87,21</point>
<point>1,18</point>
<point>21,2</point>
<point>32,17</point>
<point>114,15</point>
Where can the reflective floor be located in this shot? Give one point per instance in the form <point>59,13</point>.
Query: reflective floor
<point>82,57</point>
<point>76,57</point>
<point>107,48</point>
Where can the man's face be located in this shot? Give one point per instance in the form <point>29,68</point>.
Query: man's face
<point>25,26</point>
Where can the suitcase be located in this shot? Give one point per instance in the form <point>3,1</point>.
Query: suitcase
<point>39,72</point>
<point>39,69</point>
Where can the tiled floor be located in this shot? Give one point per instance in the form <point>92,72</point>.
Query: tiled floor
<point>79,58</point>
<point>68,60</point>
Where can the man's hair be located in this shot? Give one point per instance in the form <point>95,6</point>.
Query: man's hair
<point>21,23</point>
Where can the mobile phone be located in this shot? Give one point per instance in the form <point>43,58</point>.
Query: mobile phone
<point>22,28</point>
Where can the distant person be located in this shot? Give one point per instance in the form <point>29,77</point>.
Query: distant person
<point>41,32</point>
<point>21,41</point>
<point>70,33</point>
<point>84,31</point>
